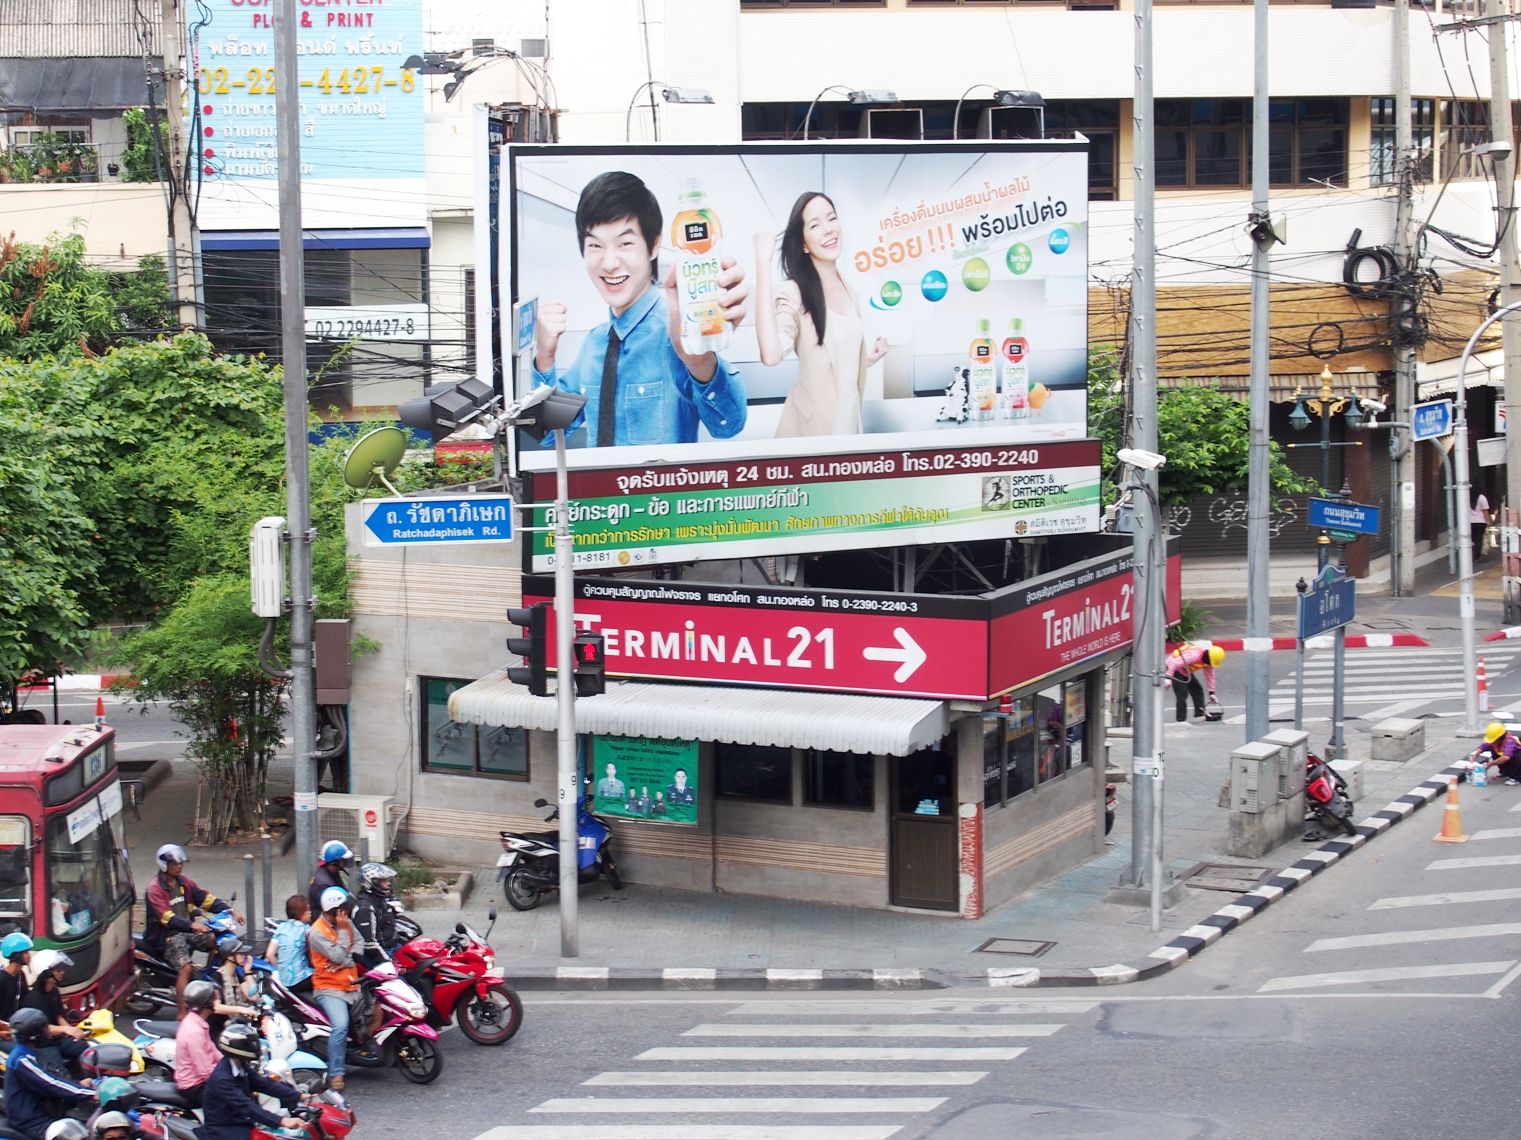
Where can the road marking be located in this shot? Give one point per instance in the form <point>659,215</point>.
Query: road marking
<point>1443,900</point>
<point>1401,937</point>
<point>828,1053</point>
<point>959,1007</point>
<point>1479,861</point>
<point>1388,711</point>
<point>691,1132</point>
<point>1499,833</point>
<point>1389,974</point>
<point>786,1077</point>
<point>1498,988</point>
<point>871,1031</point>
<point>766,1104</point>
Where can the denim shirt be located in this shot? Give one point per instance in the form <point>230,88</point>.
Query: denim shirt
<point>659,401</point>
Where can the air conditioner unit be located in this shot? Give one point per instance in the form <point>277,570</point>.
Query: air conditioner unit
<point>355,819</point>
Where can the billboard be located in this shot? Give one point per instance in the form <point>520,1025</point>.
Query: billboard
<point>636,777</point>
<point>361,113</point>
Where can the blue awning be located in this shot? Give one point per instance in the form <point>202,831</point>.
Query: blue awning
<point>394,238</point>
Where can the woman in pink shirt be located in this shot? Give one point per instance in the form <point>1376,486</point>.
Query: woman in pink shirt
<point>195,1054</point>
<point>1183,663</point>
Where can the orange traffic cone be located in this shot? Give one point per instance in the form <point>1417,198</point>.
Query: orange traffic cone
<point>1452,817</point>
<point>1483,688</point>
<point>100,710</point>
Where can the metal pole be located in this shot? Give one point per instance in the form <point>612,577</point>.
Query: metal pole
<point>1338,746</point>
<point>565,692</point>
<point>1402,449</point>
<point>248,893</point>
<point>1510,270</point>
<point>1447,493</point>
<point>1258,535</point>
<point>298,510</point>
<point>1300,588</point>
<point>266,854</point>
<point>1465,549</point>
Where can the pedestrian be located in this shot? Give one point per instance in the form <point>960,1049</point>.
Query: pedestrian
<point>1183,666</point>
<point>287,949</point>
<point>1478,522</point>
<point>334,945</point>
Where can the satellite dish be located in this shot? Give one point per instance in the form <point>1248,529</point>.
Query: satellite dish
<point>374,457</point>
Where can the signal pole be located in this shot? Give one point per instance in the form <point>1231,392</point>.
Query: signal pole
<point>565,693</point>
<point>1402,449</point>
<point>1505,221</point>
<point>177,162</point>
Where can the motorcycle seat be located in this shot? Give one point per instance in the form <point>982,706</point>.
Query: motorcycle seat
<point>540,836</point>
<point>156,1028</point>
<point>161,1092</point>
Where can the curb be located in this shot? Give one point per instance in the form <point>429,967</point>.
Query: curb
<point>1167,958</point>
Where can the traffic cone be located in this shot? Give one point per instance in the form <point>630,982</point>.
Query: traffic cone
<point>1452,817</point>
<point>1483,688</point>
<point>100,710</point>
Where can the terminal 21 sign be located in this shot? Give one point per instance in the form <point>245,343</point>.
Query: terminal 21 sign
<point>925,645</point>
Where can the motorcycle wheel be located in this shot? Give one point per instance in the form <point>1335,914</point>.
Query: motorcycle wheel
<point>520,896</point>
<point>141,1003</point>
<point>614,879</point>
<point>306,1078</point>
<point>490,1020</point>
<point>1347,825</point>
<point>419,1060</point>
<point>153,1071</point>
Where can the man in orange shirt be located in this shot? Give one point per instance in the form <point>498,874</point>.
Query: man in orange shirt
<point>333,944</point>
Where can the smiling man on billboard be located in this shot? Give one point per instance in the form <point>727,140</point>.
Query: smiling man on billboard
<point>642,386</point>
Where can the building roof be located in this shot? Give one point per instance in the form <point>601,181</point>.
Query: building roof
<point>76,85</point>
<point>68,29</point>
<point>786,718</point>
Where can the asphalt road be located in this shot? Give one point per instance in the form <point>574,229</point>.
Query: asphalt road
<point>1380,999</point>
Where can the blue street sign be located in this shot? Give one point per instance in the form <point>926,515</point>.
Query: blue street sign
<point>1330,602</point>
<point>434,521</point>
<point>1356,517</point>
<point>1432,420</point>
<point>525,319</point>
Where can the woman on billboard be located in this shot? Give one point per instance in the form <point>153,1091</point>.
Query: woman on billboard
<point>815,316</point>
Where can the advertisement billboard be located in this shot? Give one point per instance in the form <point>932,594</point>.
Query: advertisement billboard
<point>361,113</point>
<point>637,777</point>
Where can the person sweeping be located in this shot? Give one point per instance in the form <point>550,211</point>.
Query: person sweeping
<point>1184,664</point>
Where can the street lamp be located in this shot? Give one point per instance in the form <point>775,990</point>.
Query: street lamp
<point>1001,98</point>
<point>453,63</point>
<point>1325,404</point>
<point>869,97</point>
<point>670,95</point>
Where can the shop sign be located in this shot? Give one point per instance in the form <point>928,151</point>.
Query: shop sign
<point>645,516</point>
<point>637,777</point>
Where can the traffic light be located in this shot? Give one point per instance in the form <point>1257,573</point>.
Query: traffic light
<point>591,665</point>
<point>533,649</point>
<point>445,408</point>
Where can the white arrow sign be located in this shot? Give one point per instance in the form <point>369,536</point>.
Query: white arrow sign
<point>911,655</point>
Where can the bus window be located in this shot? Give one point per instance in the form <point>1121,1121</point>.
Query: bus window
<point>15,872</point>
<point>88,878</point>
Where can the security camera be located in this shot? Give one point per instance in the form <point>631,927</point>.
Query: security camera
<point>1146,460</point>
<point>1377,407</point>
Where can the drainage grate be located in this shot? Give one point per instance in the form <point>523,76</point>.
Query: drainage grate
<point>1028,947</point>
<point>1227,877</point>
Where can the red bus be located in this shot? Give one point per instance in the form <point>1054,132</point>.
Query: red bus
<point>64,877</point>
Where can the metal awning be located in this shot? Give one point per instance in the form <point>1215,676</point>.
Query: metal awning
<point>786,718</point>
<point>100,86</point>
<point>1440,377</point>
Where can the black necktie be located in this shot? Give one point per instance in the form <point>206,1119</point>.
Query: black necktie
<point>609,397</point>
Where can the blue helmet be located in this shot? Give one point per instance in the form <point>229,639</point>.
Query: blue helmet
<point>14,943</point>
<point>334,851</point>
<point>116,1092</point>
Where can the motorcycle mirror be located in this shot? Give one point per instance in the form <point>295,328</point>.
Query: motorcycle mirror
<point>491,913</point>
<point>459,928</point>
<point>232,898</point>
<point>541,803</point>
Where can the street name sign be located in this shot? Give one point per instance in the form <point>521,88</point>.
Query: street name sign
<point>1330,602</point>
<point>438,521</point>
<point>1431,420</point>
<point>1354,518</point>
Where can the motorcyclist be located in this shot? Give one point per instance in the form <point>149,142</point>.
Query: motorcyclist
<point>230,1107</point>
<point>174,931</point>
<point>240,986</point>
<point>332,864</point>
<point>32,1094</point>
<point>195,1055</point>
<point>46,995</point>
<point>118,1097</point>
<point>113,1125</point>
<point>374,917</point>
<point>67,1129</point>
<point>16,949</point>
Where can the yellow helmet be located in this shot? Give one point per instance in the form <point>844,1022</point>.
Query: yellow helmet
<point>1494,732</point>
<point>1216,655</point>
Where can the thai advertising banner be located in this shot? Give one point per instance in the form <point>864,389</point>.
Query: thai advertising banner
<point>361,112</point>
<point>662,513</point>
<point>636,777</point>
<point>770,301</point>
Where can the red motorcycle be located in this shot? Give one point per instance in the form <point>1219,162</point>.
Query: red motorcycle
<point>1325,795</point>
<point>327,1116</point>
<point>459,978</point>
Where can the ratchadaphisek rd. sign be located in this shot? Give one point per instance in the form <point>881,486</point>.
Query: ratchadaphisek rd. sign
<point>436,521</point>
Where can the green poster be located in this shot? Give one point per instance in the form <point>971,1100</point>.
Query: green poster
<point>637,777</point>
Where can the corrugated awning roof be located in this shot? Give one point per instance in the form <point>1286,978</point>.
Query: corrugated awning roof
<point>785,718</point>
<point>1440,377</point>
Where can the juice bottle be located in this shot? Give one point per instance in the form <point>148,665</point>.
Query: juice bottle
<point>982,383</point>
<point>695,233</point>
<point>1016,372</point>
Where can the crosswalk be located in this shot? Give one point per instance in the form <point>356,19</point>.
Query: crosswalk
<point>1396,680</point>
<point>843,1060</point>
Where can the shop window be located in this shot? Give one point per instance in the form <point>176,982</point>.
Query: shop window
<point>754,772</point>
<point>484,750</point>
<point>1008,747</point>
<point>838,779</point>
<point>1465,125</point>
<point>1383,155</point>
<point>1099,121</point>
<point>927,782</point>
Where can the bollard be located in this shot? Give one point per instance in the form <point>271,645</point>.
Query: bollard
<point>269,881</point>
<point>248,893</point>
<point>364,851</point>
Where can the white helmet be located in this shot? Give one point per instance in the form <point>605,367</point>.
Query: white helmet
<point>170,853</point>
<point>45,960</point>
<point>333,898</point>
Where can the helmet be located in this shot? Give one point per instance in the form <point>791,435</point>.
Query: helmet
<point>14,943</point>
<point>1216,655</point>
<point>45,960</point>
<point>67,1129</point>
<point>200,995</point>
<point>1494,732</point>
<point>334,851</point>
<point>239,1040</point>
<point>333,898</point>
<point>29,1026</point>
<point>109,1120</point>
<point>170,853</point>
<point>116,1092</point>
<point>377,877</point>
<point>230,944</point>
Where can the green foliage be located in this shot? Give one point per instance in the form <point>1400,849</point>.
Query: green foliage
<point>49,157</point>
<point>139,161</point>
<point>1190,624</point>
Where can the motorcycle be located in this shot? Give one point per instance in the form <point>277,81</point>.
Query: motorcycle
<point>529,866</point>
<point>100,1024</point>
<point>404,1037</point>
<point>327,1116</point>
<point>156,979</point>
<point>1325,794</point>
<point>459,979</point>
<point>1111,799</point>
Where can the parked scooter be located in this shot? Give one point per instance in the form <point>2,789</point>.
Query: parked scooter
<point>1325,795</point>
<point>459,979</point>
<point>529,866</point>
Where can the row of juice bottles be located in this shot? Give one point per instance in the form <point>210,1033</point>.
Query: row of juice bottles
<point>987,398</point>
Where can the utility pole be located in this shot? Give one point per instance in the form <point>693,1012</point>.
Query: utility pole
<point>182,238</point>
<point>1510,272</point>
<point>565,695</point>
<point>298,511</point>
<point>1401,447</point>
<point>1258,536</point>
